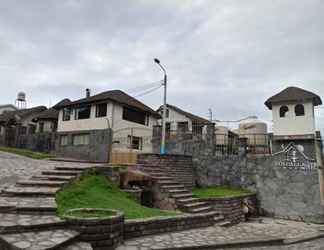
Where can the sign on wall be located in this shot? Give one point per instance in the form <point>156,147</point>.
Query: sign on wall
<point>292,157</point>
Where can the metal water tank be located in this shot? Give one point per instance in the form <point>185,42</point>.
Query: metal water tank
<point>255,130</point>
<point>21,96</point>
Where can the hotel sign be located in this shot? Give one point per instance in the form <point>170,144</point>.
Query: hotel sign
<point>292,158</point>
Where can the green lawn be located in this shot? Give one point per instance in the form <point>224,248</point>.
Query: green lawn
<point>95,191</point>
<point>26,152</point>
<point>219,191</point>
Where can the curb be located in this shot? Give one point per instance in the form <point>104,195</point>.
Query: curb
<point>301,239</point>
<point>233,244</point>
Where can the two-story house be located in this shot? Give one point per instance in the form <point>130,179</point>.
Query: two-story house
<point>180,121</point>
<point>83,125</point>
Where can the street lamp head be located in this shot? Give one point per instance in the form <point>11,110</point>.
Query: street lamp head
<point>156,60</point>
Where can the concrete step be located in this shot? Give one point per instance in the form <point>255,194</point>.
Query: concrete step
<point>162,178</point>
<point>62,172</point>
<point>31,191</point>
<point>78,246</point>
<point>28,204</point>
<point>41,183</point>
<point>195,205</point>
<point>188,200</point>
<point>219,218</point>
<point>44,240</point>
<point>71,168</point>
<point>179,186</point>
<point>167,182</point>
<point>14,223</point>
<point>182,196</point>
<point>53,177</point>
<point>178,191</point>
<point>200,210</point>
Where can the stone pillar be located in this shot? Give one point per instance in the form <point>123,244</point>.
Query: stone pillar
<point>210,138</point>
<point>319,160</point>
<point>156,138</point>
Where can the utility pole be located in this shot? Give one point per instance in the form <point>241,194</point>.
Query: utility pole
<point>162,148</point>
<point>210,114</point>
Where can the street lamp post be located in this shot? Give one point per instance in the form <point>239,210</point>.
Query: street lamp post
<point>162,148</point>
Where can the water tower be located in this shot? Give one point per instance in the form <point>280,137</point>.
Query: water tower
<point>21,100</point>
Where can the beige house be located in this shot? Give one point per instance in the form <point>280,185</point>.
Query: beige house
<point>131,121</point>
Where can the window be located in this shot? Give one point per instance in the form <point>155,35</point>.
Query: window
<point>41,127</point>
<point>133,115</point>
<point>166,114</point>
<point>135,142</point>
<point>283,111</point>
<point>66,114</point>
<point>63,140</point>
<point>183,126</point>
<point>82,112</point>
<point>299,110</point>
<point>82,139</point>
<point>101,110</point>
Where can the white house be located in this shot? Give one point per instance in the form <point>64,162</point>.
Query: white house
<point>180,120</point>
<point>7,107</point>
<point>130,120</point>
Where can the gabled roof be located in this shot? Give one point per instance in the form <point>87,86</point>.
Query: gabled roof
<point>8,106</point>
<point>20,113</point>
<point>117,96</point>
<point>293,94</point>
<point>52,113</point>
<point>192,117</point>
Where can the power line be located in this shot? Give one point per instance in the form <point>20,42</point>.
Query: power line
<point>145,86</point>
<point>149,91</point>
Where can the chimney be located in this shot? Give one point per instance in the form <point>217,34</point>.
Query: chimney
<point>87,93</point>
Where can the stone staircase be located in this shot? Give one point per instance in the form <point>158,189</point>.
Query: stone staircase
<point>183,197</point>
<point>28,214</point>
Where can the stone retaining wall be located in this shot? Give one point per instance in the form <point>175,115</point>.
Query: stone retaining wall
<point>141,227</point>
<point>178,166</point>
<point>231,207</point>
<point>96,151</point>
<point>102,234</point>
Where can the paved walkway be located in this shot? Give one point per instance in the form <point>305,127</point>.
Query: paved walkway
<point>14,168</point>
<point>268,229</point>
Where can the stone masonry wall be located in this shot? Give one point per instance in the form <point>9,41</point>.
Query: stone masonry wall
<point>96,151</point>
<point>141,227</point>
<point>178,166</point>
<point>231,207</point>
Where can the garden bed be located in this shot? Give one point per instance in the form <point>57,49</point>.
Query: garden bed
<point>95,191</point>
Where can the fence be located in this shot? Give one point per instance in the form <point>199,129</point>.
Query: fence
<point>128,142</point>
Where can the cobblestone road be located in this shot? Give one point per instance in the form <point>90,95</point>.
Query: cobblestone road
<point>252,231</point>
<point>15,167</point>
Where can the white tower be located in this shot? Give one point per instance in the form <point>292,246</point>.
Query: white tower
<point>293,113</point>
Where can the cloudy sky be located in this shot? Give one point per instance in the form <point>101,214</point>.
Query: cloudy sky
<point>226,55</point>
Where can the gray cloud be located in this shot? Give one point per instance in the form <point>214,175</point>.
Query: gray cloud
<point>226,55</point>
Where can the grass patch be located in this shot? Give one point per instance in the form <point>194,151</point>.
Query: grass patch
<point>95,191</point>
<point>26,152</point>
<point>219,191</point>
<point>91,214</point>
